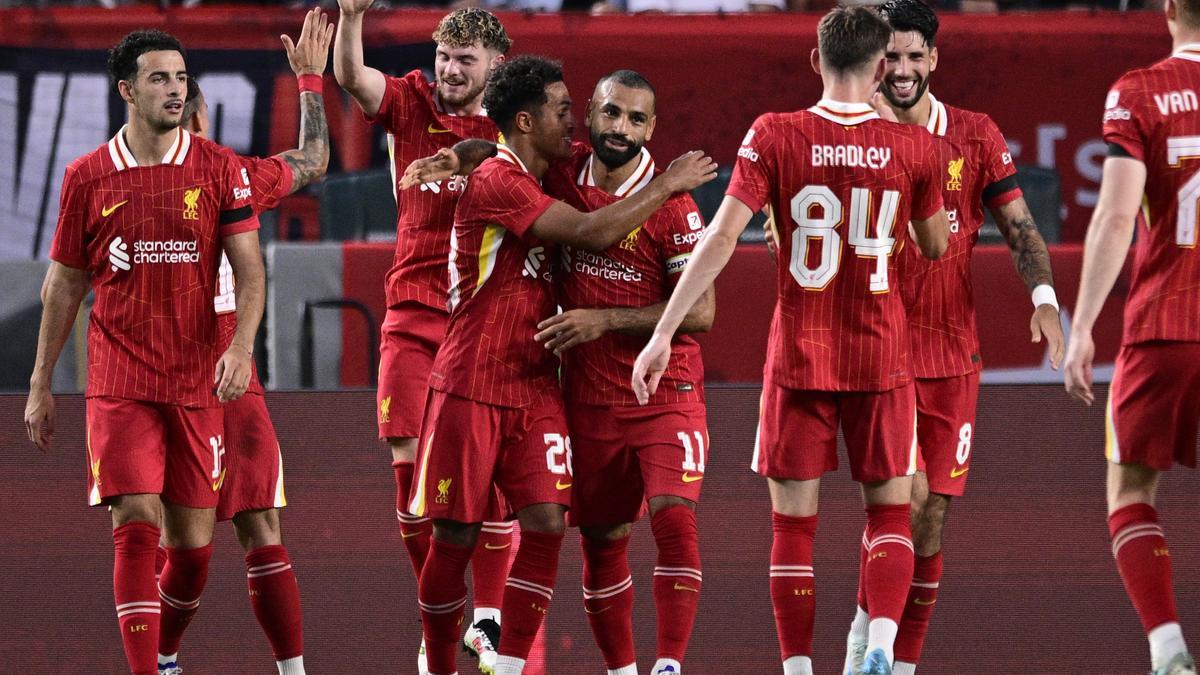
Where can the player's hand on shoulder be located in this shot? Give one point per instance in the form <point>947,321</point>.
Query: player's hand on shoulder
<point>1077,372</point>
<point>354,6</point>
<point>1045,323</point>
<point>879,103</point>
<point>689,171</point>
<point>310,52</point>
<point>233,373</point>
<point>441,166</point>
<point>39,416</point>
<point>574,327</point>
<point>649,367</point>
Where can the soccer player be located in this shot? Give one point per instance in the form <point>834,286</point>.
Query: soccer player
<point>977,171</point>
<point>143,221</point>
<point>253,489</point>
<point>842,184</point>
<point>495,414</point>
<point>1152,126</point>
<point>420,118</point>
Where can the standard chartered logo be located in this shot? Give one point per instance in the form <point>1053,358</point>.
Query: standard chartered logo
<point>163,252</point>
<point>118,255</point>
<point>533,262</point>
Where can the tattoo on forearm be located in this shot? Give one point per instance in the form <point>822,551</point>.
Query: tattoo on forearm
<point>308,162</point>
<point>1029,252</point>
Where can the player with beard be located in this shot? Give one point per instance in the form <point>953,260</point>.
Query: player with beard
<point>420,118</point>
<point>495,415</point>
<point>624,454</point>
<point>977,171</point>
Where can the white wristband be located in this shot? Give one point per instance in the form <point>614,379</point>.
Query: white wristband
<point>1043,294</point>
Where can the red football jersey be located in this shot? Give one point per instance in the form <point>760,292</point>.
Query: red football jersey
<point>639,271</point>
<point>842,184</point>
<point>976,170</point>
<point>150,239</point>
<point>1153,115</point>
<point>501,288</point>
<point>270,180</point>
<point>417,127</point>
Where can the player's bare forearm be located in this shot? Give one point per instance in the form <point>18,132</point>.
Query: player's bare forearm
<point>471,153</point>
<point>62,291</point>
<point>365,84</point>
<point>1029,252</point>
<point>250,291</point>
<point>606,226</point>
<point>642,320</point>
<point>309,161</point>
<point>932,234</point>
<point>1109,236</point>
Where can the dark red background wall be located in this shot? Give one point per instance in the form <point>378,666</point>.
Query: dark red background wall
<point>1030,586</point>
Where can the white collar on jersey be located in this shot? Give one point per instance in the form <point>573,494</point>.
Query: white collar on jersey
<point>122,158</point>
<point>640,178</point>
<point>847,114</point>
<point>1190,51</point>
<point>506,153</point>
<point>939,121</point>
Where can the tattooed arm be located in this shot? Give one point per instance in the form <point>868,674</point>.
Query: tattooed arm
<point>308,57</point>
<point>1033,265</point>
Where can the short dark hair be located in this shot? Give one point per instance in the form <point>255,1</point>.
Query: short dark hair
<point>849,37</point>
<point>464,27</point>
<point>122,59</point>
<point>631,79</point>
<point>191,104</point>
<point>911,15</point>
<point>518,85</point>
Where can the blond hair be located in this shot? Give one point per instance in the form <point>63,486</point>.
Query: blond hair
<point>465,27</point>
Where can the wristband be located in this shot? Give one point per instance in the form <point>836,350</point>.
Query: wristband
<point>311,83</point>
<point>1043,294</point>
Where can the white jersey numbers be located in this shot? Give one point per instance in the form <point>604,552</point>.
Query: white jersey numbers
<point>817,212</point>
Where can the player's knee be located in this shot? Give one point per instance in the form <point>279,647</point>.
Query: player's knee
<point>186,527</point>
<point>256,529</point>
<point>606,532</point>
<point>136,509</point>
<point>1130,484</point>
<point>543,518</point>
<point>667,501</point>
<point>403,449</point>
<point>456,533</point>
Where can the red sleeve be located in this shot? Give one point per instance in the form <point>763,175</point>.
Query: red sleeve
<point>559,179</point>
<point>509,197</point>
<point>69,246</point>
<point>1125,118</point>
<point>927,188</point>
<point>270,181</point>
<point>399,93</point>
<point>237,197</point>
<point>751,183</point>
<point>1000,174</point>
<point>683,228</point>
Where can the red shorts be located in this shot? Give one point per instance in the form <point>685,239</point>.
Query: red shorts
<point>408,341</point>
<point>139,447</point>
<point>253,464</point>
<point>624,455</point>
<point>945,425</point>
<point>466,447</point>
<point>1154,405</point>
<point>797,433</point>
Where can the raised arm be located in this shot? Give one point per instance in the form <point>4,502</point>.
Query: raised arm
<point>62,291</point>
<point>365,84</point>
<point>307,57</point>
<point>1107,243</point>
<point>577,326</point>
<point>233,370</point>
<point>599,229</point>
<point>1032,260</point>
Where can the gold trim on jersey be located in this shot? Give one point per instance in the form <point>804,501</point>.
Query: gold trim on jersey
<point>489,250</point>
<point>417,506</point>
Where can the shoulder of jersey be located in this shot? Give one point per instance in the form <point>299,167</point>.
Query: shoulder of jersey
<point>971,120</point>
<point>91,166</point>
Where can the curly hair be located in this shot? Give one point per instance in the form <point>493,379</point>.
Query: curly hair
<point>906,15</point>
<point>122,59</point>
<point>849,37</point>
<point>464,27</point>
<point>519,85</point>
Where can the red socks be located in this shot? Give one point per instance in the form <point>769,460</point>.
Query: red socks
<point>793,587</point>
<point>275,598</point>
<point>416,531</point>
<point>528,592</point>
<point>136,598</point>
<point>922,594</point>
<point>608,599</point>
<point>862,572</point>
<point>889,568</point>
<point>442,594</point>
<point>677,578</point>
<point>179,587</point>
<point>1144,562</point>
<point>489,565</point>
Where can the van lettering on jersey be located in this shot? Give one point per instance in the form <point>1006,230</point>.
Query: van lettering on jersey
<point>1176,102</point>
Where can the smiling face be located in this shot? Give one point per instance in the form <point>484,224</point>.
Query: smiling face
<point>909,61</point>
<point>157,89</point>
<point>462,72</point>
<point>553,123</point>
<point>620,120</point>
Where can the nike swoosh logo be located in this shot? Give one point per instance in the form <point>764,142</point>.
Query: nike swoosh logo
<point>689,478</point>
<point>561,486</point>
<point>497,548</point>
<point>409,535</point>
<point>217,483</point>
<point>434,130</point>
<point>918,601</point>
<point>107,211</point>
<point>681,587</point>
<point>599,611</point>
<point>955,473</point>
